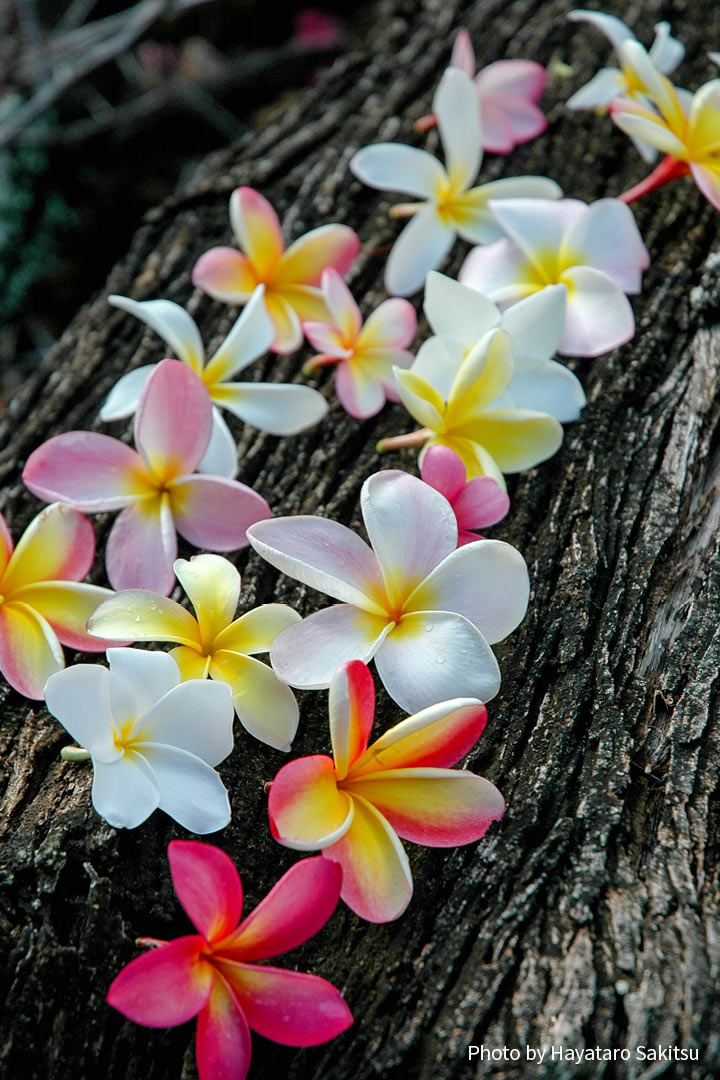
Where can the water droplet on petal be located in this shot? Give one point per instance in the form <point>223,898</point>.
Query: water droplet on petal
<point>440,659</point>
<point>428,627</point>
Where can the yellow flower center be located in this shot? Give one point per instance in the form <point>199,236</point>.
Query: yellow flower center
<point>122,736</point>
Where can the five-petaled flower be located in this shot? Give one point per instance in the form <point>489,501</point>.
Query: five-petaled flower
<point>154,487</point>
<point>43,600</point>
<point>452,206</point>
<point>215,643</point>
<point>476,503</point>
<point>215,974</point>
<point>365,353</point>
<point>291,278</point>
<point>424,609</point>
<point>356,805</point>
<point>153,740</point>
<point>279,408</point>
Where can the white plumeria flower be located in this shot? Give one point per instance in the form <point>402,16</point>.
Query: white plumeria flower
<point>425,610</point>
<point>595,250</point>
<point>278,408</point>
<point>153,740</point>
<point>452,207</point>
<point>609,83</point>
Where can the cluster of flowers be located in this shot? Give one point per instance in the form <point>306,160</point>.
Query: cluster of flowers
<point>424,600</point>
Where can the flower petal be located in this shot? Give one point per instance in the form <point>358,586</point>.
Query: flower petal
<point>208,887</point>
<point>278,408</point>
<point>517,78</point>
<point>666,52</point>
<point>138,678</point>
<point>124,791</point>
<point>443,470</point>
<point>195,716</point>
<point>421,398</point>
<point>437,362</point>
<point>341,304</point>
<point>422,246</point>
<point>142,546</point>
<point>546,386</point>
<point>538,228</point>
<point>307,655</point>
<point>173,423</point>
<point>303,263</point>
<point>306,809</point>
<point>266,707</point>
<point>482,502</point>
<point>86,470</point>
<point>255,631</point>
<point>455,106</point>
<point>360,392</point>
<point>215,512</point>
<point>440,735</point>
<point>79,697</point>
<point>499,270</point>
<point>221,456</point>
<point>376,882</point>
<point>351,704</point>
<point>29,650</point>
<point>396,167</point>
<point>393,323</point>
<point>58,545</point>
<point>141,615</point>
<point>517,439</point>
<point>604,87</point>
<point>123,399</point>
<point>536,324</point>
<point>610,241</point>
<point>191,792</point>
<point>67,606</point>
<point>458,311</point>
<point>463,54</point>
<point>226,275</point>
<point>257,229</point>
<point>6,545</point>
<point>614,29</point>
<point>707,178</point>
<point>222,1039</point>
<point>288,331</point>
<point>192,664</point>
<point>643,124</point>
<point>250,336</point>
<point>166,986</point>
<point>213,587</point>
<point>173,324</point>
<point>435,656</point>
<point>599,316</point>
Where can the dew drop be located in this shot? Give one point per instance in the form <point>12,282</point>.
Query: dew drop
<point>428,627</point>
<point>440,659</point>
<point>136,618</point>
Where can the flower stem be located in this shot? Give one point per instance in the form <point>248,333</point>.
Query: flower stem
<point>400,442</point>
<point>74,753</point>
<point>668,169</point>
<point>149,942</point>
<point>403,210</point>
<point>425,122</point>
<point>321,360</point>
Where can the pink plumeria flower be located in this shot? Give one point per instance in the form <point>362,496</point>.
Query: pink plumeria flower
<point>507,94</point>
<point>364,352</point>
<point>279,408</point>
<point>291,278</point>
<point>451,206</point>
<point>154,488</point>
<point>357,805</point>
<point>595,250</point>
<point>43,601</point>
<point>215,974</point>
<point>476,503</point>
<point>424,611</point>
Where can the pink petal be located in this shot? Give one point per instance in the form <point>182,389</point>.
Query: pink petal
<point>443,470</point>
<point>214,512</point>
<point>257,230</point>
<point>439,736</point>
<point>393,324</point>
<point>360,392</point>
<point>29,650</point>
<point>58,545</point>
<point>463,54</point>
<point>88,471</point>
<point>481,503</point>
<point>67,606</point>
<point>142,547</point>
<point>515,121</point>
<point>308,654</point>
<point>288,1007</point>
<point>222,1041</point>
<point>496,133</point>
<point>707,178</point>
<point>519,78</point>
<point>341,304</point>
<point>326,339</point>
<point>351,706</point>
<point>167,986</point>
<point>173,422</point>
<point>207,885</point>
<point>6,544</point>
<point>304,261</point>
<point>294,910</point>
<point>225,274</point>
<point>306,810</point>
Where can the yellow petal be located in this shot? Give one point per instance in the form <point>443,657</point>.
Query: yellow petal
<point>517,439</point>
<point>192,664</point>
<point>484,374</point>
<point>140,615</point>
<point>213,586</point>
<point>421,400</point>
<point>255,631</point>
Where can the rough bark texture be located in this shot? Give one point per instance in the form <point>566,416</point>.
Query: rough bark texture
<point>590,914</point>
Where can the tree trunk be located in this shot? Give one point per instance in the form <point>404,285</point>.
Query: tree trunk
<point>589,915</point>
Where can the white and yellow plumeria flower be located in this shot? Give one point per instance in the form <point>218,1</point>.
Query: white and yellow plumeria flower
<point>595,250</point>
<point>278,408</point>
<point>609,83</point>
<point>451,206</point>
<point>425,610</point>
<point>686,128</point>
<point>153,740</point>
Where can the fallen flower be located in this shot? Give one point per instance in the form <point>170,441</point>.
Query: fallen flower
<point>291,277</point>
<point>451,206</point>
<point>214,974</point>
<point>426,612</point>
<point>365,353</point>
<point>357,805</point>
<point>595,250</point>
<point>153,740</point>
<point>476,503</point>
<point>278,408</point>
<point>214,644</point>
<point>154,487</point>
<point>43,601</point>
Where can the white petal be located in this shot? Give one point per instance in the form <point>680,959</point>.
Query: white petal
<point>614,29</point>
<point>396,167</point>
<point>171,322</point>
<point>434,656</point>
<point>190,791</point>
<point>123,399</point>
<point>438,361</point>
<point>608,239</point>
<point>523,187</point>
<point>498,270</point>
<point>421,246</point>
<point>536,323</point>
<point>599,315</point>
<point>79,697</point>
<point>196,716</point>
<point>308,654</point>
<point>458,117</point>
<point>458,311</point>
<point>607,84</point>
<point>666,52</point>
<point>544,386</point>
<point>124,792</point>
<point>138,678</point>
<point>642,129</point>
<point>220,458</point>
<point>537,227</point>
<point>250,336</point>
<point>278,408</point>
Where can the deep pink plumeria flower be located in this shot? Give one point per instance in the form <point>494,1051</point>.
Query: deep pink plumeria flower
<point>214,974</point>
<point>477,503</point>
<point>155,486</point>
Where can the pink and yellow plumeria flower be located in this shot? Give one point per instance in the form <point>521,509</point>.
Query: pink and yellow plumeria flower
<point>364,352</point>
<point>686,128</point>
<point>507,94</point>
<point>451,206</point>
<point>215,974</point>
<point>215,644</point>
<point>279,408</point>
<point>291,278</point>
<point>476,503</point>
<point>424,611</point>
<point>357,805</point>
<point>595,250</point>
<point>43,601</point>
<point>155,488</point>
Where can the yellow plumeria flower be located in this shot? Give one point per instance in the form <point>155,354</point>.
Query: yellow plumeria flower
<point>213,644</point>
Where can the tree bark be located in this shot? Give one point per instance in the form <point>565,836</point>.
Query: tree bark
<point>589,915</point>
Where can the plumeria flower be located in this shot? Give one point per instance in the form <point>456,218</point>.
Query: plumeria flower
<point>279,408</point>
<point>507,93</point>
<point>686,128</point>
<point>595,250</point>
<point>43,601</point>
<point>609,83</point>
<point>154,488</point>
<point>153,740</point>
<point>426,612</point>
<point>451,206</point>
<point>291,278</point>
<point>476,503</point>
<point>215,974</point>
<point>364,352</point>
<point>214,644</point>
<point>357,805</point>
